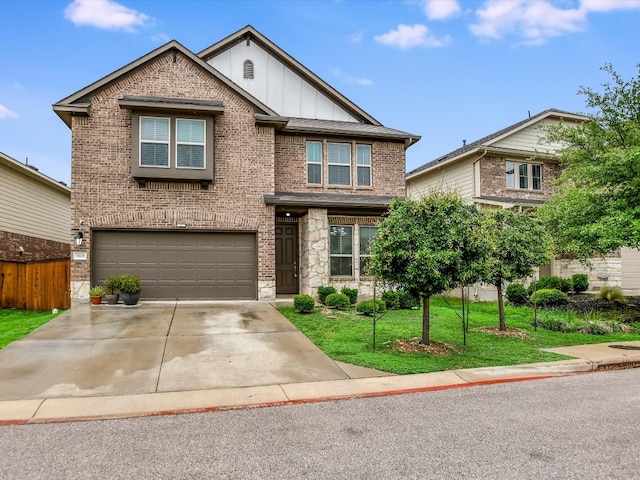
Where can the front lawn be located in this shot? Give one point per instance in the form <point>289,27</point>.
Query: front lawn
<point>347,337</point>
<point>15,324</point>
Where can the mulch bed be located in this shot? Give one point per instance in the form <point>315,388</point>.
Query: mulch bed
<point>415,345</point>
<point>509,332</point>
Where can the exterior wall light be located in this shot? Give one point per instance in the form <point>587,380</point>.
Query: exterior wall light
<point>79,236</point>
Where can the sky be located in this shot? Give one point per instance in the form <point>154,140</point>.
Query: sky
<point>447,70</point>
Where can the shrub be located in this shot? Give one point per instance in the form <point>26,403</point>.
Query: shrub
<point>391,300</point>
<point>303,303</point>
<point>111,284</point>
<point>549,297</point>
<point>400,300</point>
<point>613,294</point>
<point>337,300</point>
<point>407,300</point>
<point>97,291</point>
<point>556,323</point>
<point>580,282</point>
<point>324,292</point>
<point>551,282</point>
<point>352,293</point>
<point>128,283</point>
<point>517,293</point>
<point>368,307</point>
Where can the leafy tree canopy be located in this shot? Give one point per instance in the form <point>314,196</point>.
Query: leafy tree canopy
<point>597,209</point>
<point>429,246</point>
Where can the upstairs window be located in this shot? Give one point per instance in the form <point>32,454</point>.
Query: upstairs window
<point>339,162</point>
<point>523,176</point>
<point>363,162</point>
<point>314,163</point>
<point>154,142</point>
<point>190,143</point>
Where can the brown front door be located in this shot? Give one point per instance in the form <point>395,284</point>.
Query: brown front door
<point>286,258</point>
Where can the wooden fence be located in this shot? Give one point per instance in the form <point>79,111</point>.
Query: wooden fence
<point>35,285</point>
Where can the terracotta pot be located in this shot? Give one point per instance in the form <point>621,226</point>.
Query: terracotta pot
<point>96,300</point>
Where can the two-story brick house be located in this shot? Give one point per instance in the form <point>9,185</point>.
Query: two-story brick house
<point>516,168</point>
<point>234,173</point>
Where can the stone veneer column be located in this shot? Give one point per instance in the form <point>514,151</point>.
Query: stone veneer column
<point>314,251</point>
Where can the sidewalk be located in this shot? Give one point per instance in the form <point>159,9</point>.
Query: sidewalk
<point>587,358</point>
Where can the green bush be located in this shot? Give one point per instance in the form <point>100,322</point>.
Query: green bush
<point>337,300</point>
<point>407,300</point>
<point>303,303</point>
<point>556,323</point>
<point>352,293</point>
<point>517,293</point>
<point>324,292</point>
<point>391,299</point>
<point>548,297</point>
<point>97,291</point>
<point>128,283</point>
<point>580,282</point>
<point>111,284</point>
<point>368,307</point>
<point>613,294</point>
<point>400,300</point>
<point>551,282</point>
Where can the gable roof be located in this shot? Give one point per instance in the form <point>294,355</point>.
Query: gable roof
<point>33,173</point>
<point>489,140</point>
<point>249,33</point>
<point>78,102</point>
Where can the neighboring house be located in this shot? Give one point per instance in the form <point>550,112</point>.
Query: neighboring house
<point>516,168</point>
<point>234,173</point>
<point>35,214</point>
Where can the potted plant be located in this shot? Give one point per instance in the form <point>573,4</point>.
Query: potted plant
<point>96,294</point>
<point>111,285</point>
<point>129,286</point>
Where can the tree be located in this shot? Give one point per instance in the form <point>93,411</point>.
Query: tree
<point>429,246</point>
<point>597,209</point>
<point>518,244</point>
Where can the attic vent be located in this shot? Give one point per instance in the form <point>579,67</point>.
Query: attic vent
<point>248,69</point>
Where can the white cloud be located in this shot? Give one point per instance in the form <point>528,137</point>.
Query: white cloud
<point>535,20</point>
<point>609,5</point>
<point>441,9</point>
<point>160,38</point>
<point>538,20</point>
<point>355,37</point>
<point>105,14</point>
<point>6,113</point>
<point>361,81</point>
<point>408,36</point>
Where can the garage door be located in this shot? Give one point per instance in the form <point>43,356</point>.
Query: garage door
<point>630,268</point>
<point>180,265</point>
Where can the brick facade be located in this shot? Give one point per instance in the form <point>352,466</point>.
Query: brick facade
<point>35,249</point>
<point>387,167</point>
<point>104,195</point>
<point>493,179</point>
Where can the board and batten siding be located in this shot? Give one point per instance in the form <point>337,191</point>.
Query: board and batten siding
<point>531,139</point>
<point>456,177</point>
<point>30,206</point>
<point>276,85</point>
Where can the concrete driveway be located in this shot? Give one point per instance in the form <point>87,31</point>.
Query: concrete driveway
<point>162,347</point>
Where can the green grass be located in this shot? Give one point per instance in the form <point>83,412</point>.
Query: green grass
<point>347,337</point>
<point>15,324</point>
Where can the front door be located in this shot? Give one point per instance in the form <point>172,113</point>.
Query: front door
<point>287,258</point>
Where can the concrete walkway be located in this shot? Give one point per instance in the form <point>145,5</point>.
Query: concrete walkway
<point>197,374</point>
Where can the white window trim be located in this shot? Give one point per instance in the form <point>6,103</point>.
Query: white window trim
<point>516,174</point>
<point>342,165</point>
<point>358,166</point>
<point>342,255</point>
<point>313,163</point>
<point>156,142</point>
<point>203,144</point>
